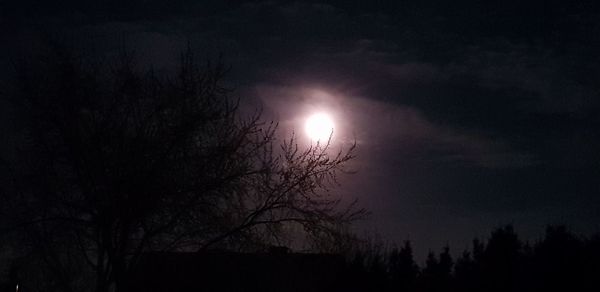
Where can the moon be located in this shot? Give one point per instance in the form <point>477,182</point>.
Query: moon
<point>319,127</point>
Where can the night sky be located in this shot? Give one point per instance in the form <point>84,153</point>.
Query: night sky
<point>466,115</point>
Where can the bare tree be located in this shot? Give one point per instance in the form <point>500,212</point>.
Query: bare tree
<point>121,160</point>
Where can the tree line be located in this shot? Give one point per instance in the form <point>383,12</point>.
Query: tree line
<point>560,260</point>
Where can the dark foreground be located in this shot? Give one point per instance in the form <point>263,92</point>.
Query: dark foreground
<point>561,260</point>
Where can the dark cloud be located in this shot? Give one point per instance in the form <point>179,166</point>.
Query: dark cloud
<point>467,115</point>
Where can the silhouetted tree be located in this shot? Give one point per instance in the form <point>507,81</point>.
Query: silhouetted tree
<point>478,249</point>
<point>119,160</point>
<point>501,260</point>
<point>591,261</point>
<point>402,268</point>
<point>427,278</point>
<point>446,262</point>
<point>437,274</point>
<point>558,260</point>
<point>374,252</point>
<point>465,273</point>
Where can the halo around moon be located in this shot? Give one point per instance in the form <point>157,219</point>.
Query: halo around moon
<point>319,127</point>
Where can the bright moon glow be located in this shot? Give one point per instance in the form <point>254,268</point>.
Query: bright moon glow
<point>319,127</point>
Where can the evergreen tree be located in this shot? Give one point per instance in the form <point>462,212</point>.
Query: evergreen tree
<point>402,267</point>
<point>465,273</point>
<point>501,259</point>
<point>558,259</point>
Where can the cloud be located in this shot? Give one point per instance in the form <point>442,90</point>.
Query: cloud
<point>478,99</point>
<point>397,132</point>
